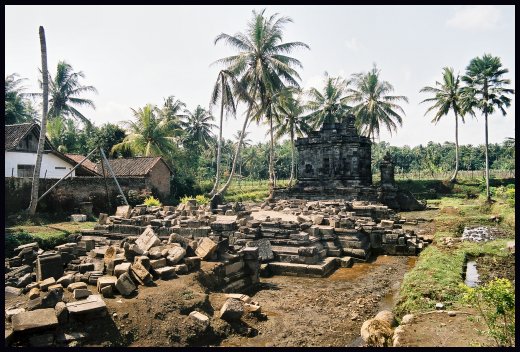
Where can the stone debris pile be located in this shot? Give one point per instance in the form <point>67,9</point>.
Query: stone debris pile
<point>477,234</point>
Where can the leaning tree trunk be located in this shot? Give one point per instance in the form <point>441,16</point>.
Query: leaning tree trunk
<point>292,159</point>
<point>454,177</point>
<point>219,151</point>
<point>41,141</point>
<point>271,159</point>
<point>223,190</point>
<point>488,196</point>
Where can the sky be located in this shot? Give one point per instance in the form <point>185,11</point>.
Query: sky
<point>135,55</point>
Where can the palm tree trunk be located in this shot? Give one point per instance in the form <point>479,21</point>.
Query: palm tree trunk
<point>292,158</point>
<point>217,176</point>
<point>488,196</point>
<point>223,190</point>
<point>271,159</point>
<point>454,177</point>
<point>41,141</point>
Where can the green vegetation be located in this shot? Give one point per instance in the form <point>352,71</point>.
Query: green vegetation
<point>152,202</point>
<point>47,235</point>
<point>496,304</point>
<point>437,275</point>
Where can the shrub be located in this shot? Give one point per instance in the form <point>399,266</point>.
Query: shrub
<point>496,303</point>
<point>152,202</point>
<point>202,199</point>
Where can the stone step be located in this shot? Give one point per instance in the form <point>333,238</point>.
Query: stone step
<point>321,269</point>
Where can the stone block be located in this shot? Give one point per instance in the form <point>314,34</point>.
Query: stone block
<point>78,218</point>
<point>205,248</point>
<point>9,313</point>
<point>200,318</point>
<point>49,264</point>
<point>121,269</point>
<point>66,280</point>
<point>148,239</point>
<point>24,280</point>
<point>158,263</point>
<point>232,310</point>
<point>250,253</point>
<point>76,285</point>
<point>12,291</point>
<point>44,285</point>
<point>81,293</point>
<point>143,260</point>
<point>123,211</point>
<point>103,218</point>
<point>140,271</point>
<point>317,219</point>
<point>110,254</point>
<point>90,308</point>
<point>105,281</point>
<point>40,319</point>
<point>41,340</point>
<point>175,255</point>
<point>61,312</point>
<point>234,267</point>
<point>125,285</point>
<point>107,291</point>
<point>166,272</point>
<point>265,251</point>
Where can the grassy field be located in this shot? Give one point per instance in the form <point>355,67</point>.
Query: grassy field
<point>438,272</point>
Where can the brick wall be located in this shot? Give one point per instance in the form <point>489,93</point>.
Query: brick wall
<point>65,197</point>
<point>159,178</point>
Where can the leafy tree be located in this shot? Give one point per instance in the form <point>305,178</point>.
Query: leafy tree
<point>374,106</point>
<point>65,91</point>
<point>263,68</point>
<point>486,92</point>
<point>197,127</point>
<point>447,97</point>
<point>17,108</point>
<point>291,121</point>
<point>149,135</point>
<point>223,89</point>
<point>328,105</point>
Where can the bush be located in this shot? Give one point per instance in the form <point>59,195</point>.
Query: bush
<point>496,303</point>
<point>152,202</point>
<point>202,199</point>
<point>13,240</point>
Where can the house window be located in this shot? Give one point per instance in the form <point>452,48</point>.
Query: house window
<point>60,167</point>
<point>25,170</point>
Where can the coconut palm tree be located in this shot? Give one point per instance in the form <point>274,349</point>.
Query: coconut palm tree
<point>41,141</point>
<point>262,66</point>
<point>149,135</point>
<point>17,108</point>
<point>486,92</point>
<point>197,127</point>
<point>224,86</point>
<point>374,106</point>
<point>246,142</point>
<point>65,91</point>
<point>291,121</point>
<point>328,105</point>
<point>447,97</point>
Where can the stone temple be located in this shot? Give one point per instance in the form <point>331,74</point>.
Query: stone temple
<point>336,163</point>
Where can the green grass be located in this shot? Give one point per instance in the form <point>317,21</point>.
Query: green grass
<point>438,271</point>
<point>48,235</point>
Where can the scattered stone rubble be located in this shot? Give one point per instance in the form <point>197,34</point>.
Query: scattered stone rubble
<point>477,234</point>
<point>138,246</point>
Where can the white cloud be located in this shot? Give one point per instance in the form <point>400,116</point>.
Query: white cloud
<point>479,17</point>
<point>352,44</point>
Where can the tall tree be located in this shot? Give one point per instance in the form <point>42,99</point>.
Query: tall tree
<point>291,121</point>
<point>328,105</point>
<point>66,92</point>
<point>197,126</point>
<point>263,66</point>
<point>149,135</point>
<point>17,108</point>
<point>41,141</point>
<point>447,97</point>
<point>374,106</point>
<point>486,92</point>
<point>224,86</point>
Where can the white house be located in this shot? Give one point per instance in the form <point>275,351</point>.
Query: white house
<point>21,144</point>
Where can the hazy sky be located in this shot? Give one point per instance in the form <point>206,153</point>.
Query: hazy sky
<point>136,55</point>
